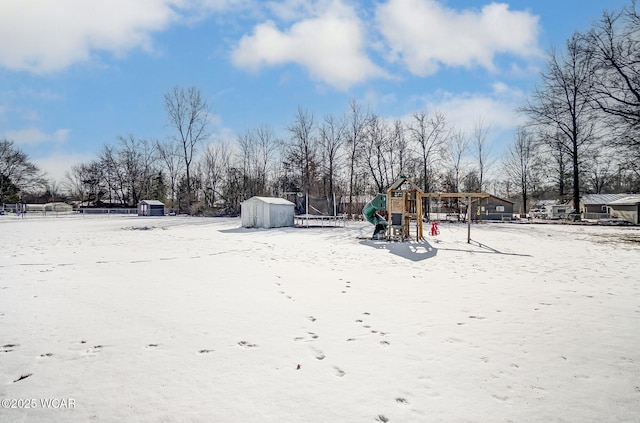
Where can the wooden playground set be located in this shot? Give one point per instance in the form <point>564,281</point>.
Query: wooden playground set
<point>404,204</point>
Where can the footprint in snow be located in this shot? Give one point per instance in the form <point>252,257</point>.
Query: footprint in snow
<point>8,347</point>
<point>245,344</point>
<point>22,377</point>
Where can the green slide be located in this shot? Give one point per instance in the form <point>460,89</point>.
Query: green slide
<point>370,213</point>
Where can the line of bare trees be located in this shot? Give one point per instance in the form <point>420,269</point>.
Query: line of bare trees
<point>348,156</point>
<point>584,116</point>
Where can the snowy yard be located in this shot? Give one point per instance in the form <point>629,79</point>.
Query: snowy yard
<point>197,320</point>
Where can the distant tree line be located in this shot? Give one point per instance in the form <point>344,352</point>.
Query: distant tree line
<point>584,116</point>
<point>581,137</point>
<point>352,155</point>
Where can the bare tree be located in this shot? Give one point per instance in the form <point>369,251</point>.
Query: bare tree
<point>130,171</point>
<point>481,151</point>
<point>86,182</point>
<point>17,172</point>
<point>52,190</point>
<point>170,155</point>
<point>266,147</point>
<point>113,174</point>
<point>189,115</point>
<point>563,103</point>
<point>430,134</point>
<point>332,137</point>
<point>599,173</point>
<point>614,42</point>
<point>555,158</point>
<point>247,162</point>
<point>521,165</point>
<point>457,148</point>
<point>302,148</point>
<point>356,129</point>
<point>214,164</point>
<point>375,148</point>
<point>401,151</point>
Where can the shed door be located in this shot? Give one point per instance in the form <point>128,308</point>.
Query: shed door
<point>258,214</point>
<point>249,214</point>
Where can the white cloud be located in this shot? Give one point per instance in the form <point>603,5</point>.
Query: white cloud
<point>58,164</point>
<point>465,110</point>
<point>496,110</point>
<point>425,35</point>
<point>44,36</point>
<point>33,136</point>
<point>330,45</point>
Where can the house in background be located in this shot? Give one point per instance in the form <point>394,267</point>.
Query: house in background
<point>266,212</point>
<point>150,208</point>
<point>491,208</point>
<point>594,206</point>
<point>626,208</point>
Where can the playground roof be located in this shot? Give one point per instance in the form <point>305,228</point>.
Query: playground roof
<point>402,180</point>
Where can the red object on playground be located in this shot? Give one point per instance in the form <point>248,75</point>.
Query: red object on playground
<point>434,228</point>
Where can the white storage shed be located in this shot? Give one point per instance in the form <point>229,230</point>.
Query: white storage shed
<point>266,212</point>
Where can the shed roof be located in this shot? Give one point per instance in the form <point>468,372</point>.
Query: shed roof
<point>597,199</point>
<point>272,200</point>
<point>630,200</point>
<point>152,202</point>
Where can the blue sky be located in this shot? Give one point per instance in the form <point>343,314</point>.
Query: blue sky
<point>76,74</point>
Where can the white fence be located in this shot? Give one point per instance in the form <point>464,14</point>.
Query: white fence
<point>105,211</point>
<point>318,220</point>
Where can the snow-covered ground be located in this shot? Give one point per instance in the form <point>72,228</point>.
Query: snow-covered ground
<point>198,320</point>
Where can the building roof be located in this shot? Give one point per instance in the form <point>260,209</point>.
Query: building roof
<point>501,199</point>
<point>629,200</point>
<point>152,202</point>
<point>474,199</point>
<point>598,199</point>
<point>272,200</point>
